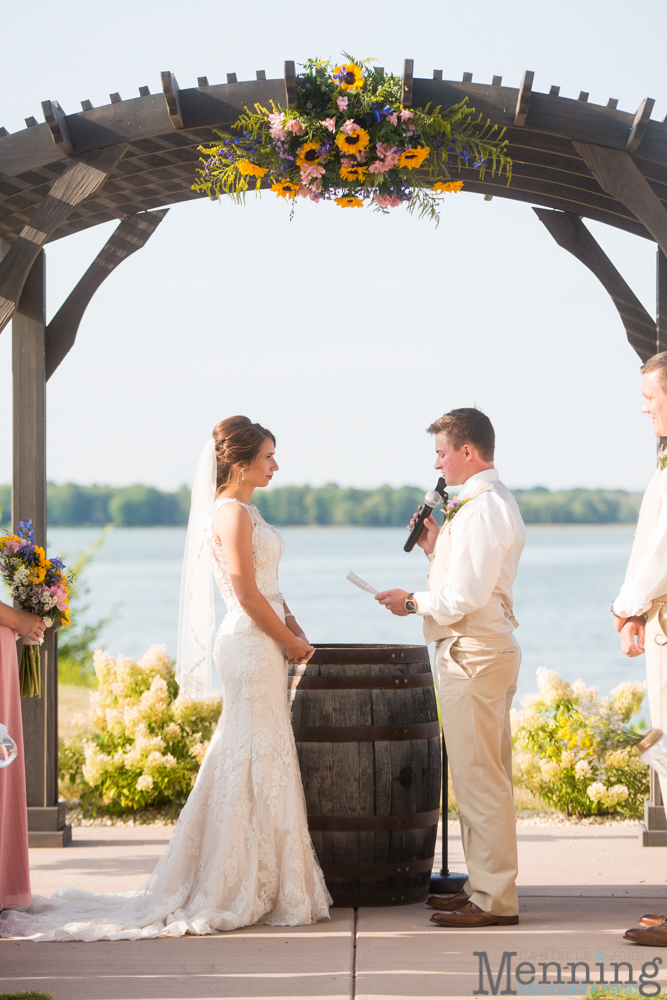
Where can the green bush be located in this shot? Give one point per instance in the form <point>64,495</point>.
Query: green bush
<point>571,747</point>
<point>142,744</point>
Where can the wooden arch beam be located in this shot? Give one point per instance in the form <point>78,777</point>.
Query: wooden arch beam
<point>132,234</point>
<point>618,174</point>
<point>570,233</point>
<point>83,176</point>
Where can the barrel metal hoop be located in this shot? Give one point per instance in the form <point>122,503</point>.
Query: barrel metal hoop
<point>365,734</point>
<point>384,870</point>
<point>374,824</point>
<point>390,897</point>
<point>396,682</point>
<point>351,654</point>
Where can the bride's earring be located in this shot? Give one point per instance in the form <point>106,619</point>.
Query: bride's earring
<point>241,477</point>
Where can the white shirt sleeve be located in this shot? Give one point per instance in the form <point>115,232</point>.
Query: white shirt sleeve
<point>649,579</point>
<point>481,533</point>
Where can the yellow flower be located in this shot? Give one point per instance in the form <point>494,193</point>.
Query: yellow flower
<point>284,189</point>
<point>356,173</point>
<point>412,158</point>
<point>349,201</point>
<point>246,167</point>
<point>349,76</point>
<point>308,155</point>
<point>353,143</point>
<point>443,187</point>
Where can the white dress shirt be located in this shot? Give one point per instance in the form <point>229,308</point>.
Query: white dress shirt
<point>646,576</point>
<point>474,564</point>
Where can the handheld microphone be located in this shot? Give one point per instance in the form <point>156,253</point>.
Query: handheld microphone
<point>431,501</point>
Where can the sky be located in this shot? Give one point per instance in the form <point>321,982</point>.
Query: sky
<point>344,332</point>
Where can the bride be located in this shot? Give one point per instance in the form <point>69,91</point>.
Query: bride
<point>241,853</point>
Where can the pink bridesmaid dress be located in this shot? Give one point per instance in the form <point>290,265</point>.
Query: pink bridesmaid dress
<point>14,864</point>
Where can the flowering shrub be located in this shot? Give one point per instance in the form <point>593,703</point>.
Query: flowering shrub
<point>351,141</point>
<point>571,747</point>
<point>142,743</point>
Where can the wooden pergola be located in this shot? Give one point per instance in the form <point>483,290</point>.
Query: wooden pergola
<point>131,159</point>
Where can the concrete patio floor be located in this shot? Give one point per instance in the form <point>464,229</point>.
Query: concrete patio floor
<point>580,888</point>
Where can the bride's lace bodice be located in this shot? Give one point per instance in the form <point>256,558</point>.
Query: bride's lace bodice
<point>267,551</point>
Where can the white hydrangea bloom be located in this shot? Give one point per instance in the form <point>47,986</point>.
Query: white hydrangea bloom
<point>627,698</point>
<point>596,792</point>
<point>549,769</point>
<point>95,764</point>
<point>144,783</point>
<point>583,769</point>
<point>552,687</point>
<point>568,758</point>
<point>615,794</point>
<point>586,696</point>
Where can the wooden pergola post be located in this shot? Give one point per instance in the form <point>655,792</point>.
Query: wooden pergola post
<point>47,825</point>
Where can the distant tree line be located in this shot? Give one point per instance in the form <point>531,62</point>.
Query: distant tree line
<point>133,506</point>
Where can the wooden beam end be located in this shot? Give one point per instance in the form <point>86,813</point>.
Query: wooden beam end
<point>407,82</point>
<point>639,124</point>
<point>612,103</point>
<point>261,74</point>
<point>144,92</point>
<point>467,78</point>
<point>554,91</point>
<point>437,74</point>
<point>290,84</point>
<point>86,106</point>
<point>583,96</point>
<point>231,78</point>
<point>496,82</point>
<point>523,99</point>
<point>172,96</point>
<point>55,119</point>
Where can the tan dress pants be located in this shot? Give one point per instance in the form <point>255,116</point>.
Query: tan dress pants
<point>655,645</point>
<point>476,680</point>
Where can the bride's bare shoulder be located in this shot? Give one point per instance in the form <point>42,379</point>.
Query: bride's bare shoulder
<point>230,515</point>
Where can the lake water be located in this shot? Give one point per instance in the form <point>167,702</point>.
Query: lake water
<point>567,580</point>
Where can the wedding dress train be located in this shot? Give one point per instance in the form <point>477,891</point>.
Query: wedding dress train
<point>241,853</point>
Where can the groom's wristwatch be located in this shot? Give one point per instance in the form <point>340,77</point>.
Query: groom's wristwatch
<point>410,604</point>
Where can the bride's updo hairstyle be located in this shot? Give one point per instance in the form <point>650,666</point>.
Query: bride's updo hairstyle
<point>237,441</point>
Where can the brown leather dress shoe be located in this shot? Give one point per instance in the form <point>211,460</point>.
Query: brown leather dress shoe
<point>451,902</point>
<point>651,919</point>
<point>654,937</point>
<point>470,915</point>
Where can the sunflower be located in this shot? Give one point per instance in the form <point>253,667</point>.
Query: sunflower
<point>355,173</point>
<point>349,201</point>
<point>246,167</point>
<point>309,155</point>
<point>285,189</point>
<point>353,143</point>
<point>442,187</point>
<point>412,158</point>
<point>349,76</point>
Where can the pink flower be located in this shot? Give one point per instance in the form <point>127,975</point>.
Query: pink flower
<point>309,192</point>
<point>329,123</point>
<point>389,157</point>
<point>311,172</point>
<point>387,200</point>
<point>361,156</point>
<point>276,122</point>
<point>350,127</point>
<point>342,103</point>
<point>393,118</point>
<point>406,115</point>
<point>295,127</point>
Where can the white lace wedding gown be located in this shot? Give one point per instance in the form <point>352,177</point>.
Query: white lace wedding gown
<point>241,853</point>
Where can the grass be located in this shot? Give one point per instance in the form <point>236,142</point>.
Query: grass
<point>26,995</point>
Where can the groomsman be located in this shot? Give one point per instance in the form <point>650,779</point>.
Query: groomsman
<point>640,610</point>
<point>467,610</point>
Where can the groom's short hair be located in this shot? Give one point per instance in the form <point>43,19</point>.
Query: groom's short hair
<point>468,425</point>
<point>658,363</point>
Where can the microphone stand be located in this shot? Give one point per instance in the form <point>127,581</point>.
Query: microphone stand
<point>446,882</point>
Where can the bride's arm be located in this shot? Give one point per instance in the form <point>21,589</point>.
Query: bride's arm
<point>292,623</point>
<point>233,528</point>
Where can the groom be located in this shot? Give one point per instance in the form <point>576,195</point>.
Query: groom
<point>467,610</point>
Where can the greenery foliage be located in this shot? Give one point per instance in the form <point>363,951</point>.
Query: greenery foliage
<point>142,743</point>
<point>330,504</point>
<point>350,140</point>
<point>571,747</point>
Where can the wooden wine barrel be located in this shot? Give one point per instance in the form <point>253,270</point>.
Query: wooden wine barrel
<point>367,734</point>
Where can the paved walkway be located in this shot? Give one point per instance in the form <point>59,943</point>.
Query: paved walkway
<point>580,887</point>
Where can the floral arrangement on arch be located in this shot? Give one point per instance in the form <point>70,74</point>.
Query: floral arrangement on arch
<point>38,585</point>
<point>350,141</point>
<point>575,750</point>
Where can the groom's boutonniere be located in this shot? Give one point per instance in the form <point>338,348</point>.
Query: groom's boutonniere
<point>662,458</point>
<point>452,508</point>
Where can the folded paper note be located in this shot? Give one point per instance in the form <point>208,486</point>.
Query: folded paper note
<point>361,584</point>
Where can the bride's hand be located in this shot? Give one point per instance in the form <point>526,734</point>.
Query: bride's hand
<point>298,650</point>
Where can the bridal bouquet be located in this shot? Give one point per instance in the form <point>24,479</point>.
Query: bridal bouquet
<point>350,141</point>
<point>38,585</point>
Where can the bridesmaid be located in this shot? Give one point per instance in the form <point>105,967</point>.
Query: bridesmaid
<point>14,865</point>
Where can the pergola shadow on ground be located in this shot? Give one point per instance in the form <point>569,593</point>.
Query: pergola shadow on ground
<point>580,887</point>
<point>131,159</point>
